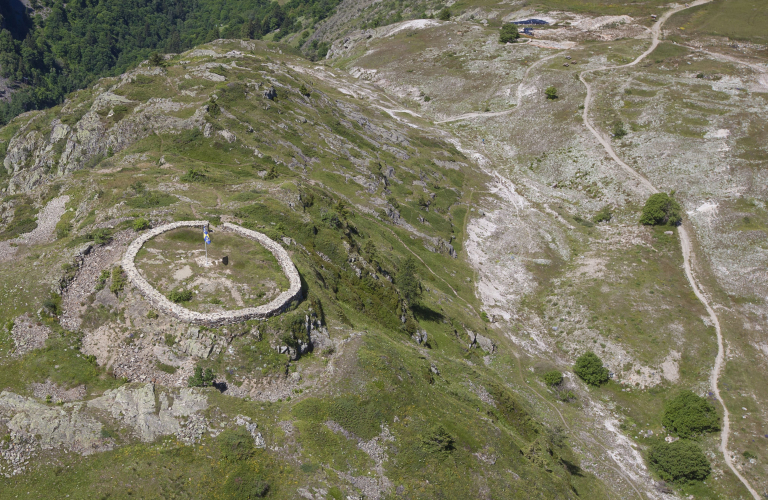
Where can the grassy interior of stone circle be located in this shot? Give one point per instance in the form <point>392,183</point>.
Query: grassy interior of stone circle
<point>175,261</point>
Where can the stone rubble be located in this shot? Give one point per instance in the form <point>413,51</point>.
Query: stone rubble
<point>28,334</point>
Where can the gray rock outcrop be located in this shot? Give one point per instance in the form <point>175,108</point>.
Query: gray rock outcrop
<point>136,405</point>
<point>64,426</point>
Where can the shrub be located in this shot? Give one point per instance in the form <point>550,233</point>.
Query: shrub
<point>444,14</point>
<point>590,369</point>
<point>407,280</point>
<point>681,460</point>
<point>152,314</point>
<point>437,441</point>
<point>101,236</point>
<point>604,215</point>
<point>551,92</point>
<point>103,277</point>
<point>201,378</point>
<point>303,90</point>
<point>618,130</point>
<point>140,224</point>
<point>180,295</point>
<point>271,173</point>
<point>243,483</point>
<point>508,33</point>
<point>192,175</point>
<point>118,280</point>
<point>331,219</point>
<point>166,368</point>
<point>53,304</point>
<point>156,59</point>
<point>661,209</point>
<point>689,415</point>
<point>235,444</point>
<point>553,378</point>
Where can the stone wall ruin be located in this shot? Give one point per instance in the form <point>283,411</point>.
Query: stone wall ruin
<point>162,303</point>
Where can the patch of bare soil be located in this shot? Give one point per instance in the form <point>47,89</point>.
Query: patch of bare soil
<point>57,393</point>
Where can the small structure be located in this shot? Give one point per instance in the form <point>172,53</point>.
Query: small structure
<point>530,21</point>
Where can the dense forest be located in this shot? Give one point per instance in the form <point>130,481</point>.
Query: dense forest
<point>65,46</point>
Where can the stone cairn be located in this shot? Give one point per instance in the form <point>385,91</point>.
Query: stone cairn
<point>162,303</point>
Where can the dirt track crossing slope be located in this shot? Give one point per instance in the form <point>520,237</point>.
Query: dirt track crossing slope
<point>685,240</point>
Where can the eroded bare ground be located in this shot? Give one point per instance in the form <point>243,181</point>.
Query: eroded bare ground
<point>548,281</point>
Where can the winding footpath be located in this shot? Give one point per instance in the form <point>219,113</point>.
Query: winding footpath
<point>477,114</point>
<point>685,240</point>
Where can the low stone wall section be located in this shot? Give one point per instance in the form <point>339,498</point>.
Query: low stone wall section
<point>162,303</point>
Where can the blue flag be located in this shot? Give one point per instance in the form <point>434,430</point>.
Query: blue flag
<point>205,235</point>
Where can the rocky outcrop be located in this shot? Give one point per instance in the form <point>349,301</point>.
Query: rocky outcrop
<point>136,405</point>
<point>160,302</point>
<point>39,150</point>
<point>64,426</point>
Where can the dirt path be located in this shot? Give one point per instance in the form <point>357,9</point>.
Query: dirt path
<point>685,241</point>
<point>505,112</point>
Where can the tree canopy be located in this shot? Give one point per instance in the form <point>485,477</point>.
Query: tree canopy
<point>681,460</point>
<point>689,415</point>
<point>509,33</point>
<point>82,40</point>
<point>590,369</point>
<point>661,209</point>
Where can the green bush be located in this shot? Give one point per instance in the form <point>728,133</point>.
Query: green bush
<point>553,378</point>
<point>103,277</point>
<point>201,378</point>
<point>551,92</point>
<point>140,224</point>
<point>590,369</point>
<point>661,209</point>
<point>681,461</point>
<point>604,215</point>
<point>245,484</point>
<point>118,280</point>
<point>618,130</point>
<point>53,304</point>
<point>180,295</point>
<point>407,280</point>
<point>100,236</point>
<point>444,14</point>
<point>235,444</point>
<point>437,441</point>
<point>508,33</point>
<point>689,415</point>
<point>166,368</point>
<point>193,175</point>
<point>155,59</point>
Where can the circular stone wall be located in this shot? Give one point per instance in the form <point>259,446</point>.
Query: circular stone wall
<point>162,303</point>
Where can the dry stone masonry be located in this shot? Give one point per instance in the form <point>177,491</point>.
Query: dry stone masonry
<point>160,302</point>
